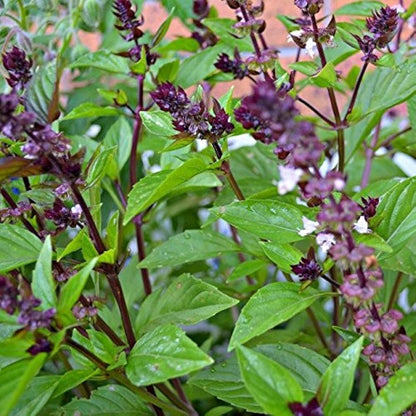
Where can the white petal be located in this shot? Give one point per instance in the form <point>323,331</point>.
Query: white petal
<point>310,47</point>
<point>309,227</point>
<point>325,241</point>
<point>289,178</point>
<point>361,226</point>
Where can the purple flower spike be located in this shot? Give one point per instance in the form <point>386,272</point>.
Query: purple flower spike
<point>18,67</point>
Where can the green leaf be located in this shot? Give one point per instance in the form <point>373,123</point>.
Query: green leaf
<point>100,165</point>
<point>283,255</point>
<point>359,8</point>
<point>191,245</point>
<point>270,306</point>
<point>186,301</point>
<point>387,87</point>
<point>14,380</point>
<point>43,283</point>
<point>309,68</point>
<point>140,67</point>
<point>271,384</point>
<point>110,400</point>
<point>163,29</point>
<point>269,219</point>
<point>35,396</point>
<point>99,344</point>
<point>72,290</point>
<point>398,394</point>
<point>72,379</point>
<point>224,381</point>
<point>158,123</point>
<point>373,240</point>
<point>327,77</point>
<point>39,93</point>
<point>103,60</point>
<point>168,71</point>
<point>162,354</point>
<point>224,30</point>
<point>337,382</point>
<point>200,65</point>
<point>305,365</point>
<point>246,268</point>
<point>120,135</point>
<point>17,247</point>
<point>81,241</point>
<point>396,223</point>
<point>90,110</point>
<point>183,9</point>
<point>140,198</point>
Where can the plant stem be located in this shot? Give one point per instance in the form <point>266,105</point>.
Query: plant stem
<point>225,167</point>
<point>12,204</point>
<point>315,110</point>
<point>355,92</point>
<point>319,332</point>
<point>122,379</point>
<point>101,325</point>
<point>395,291</point>
<point>94,233</point>
<point>369,154</point>
<point>388,141</point>
<point>117,290</point>
<point>241,257</point>
<point>141,253</point>
<point>332,99</point>
<point>112,277</point>
<point>82,388</point>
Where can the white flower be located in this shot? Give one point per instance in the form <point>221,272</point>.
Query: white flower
<point>339,184</point>
<point>310,47</point>
<point>361,226</point>
<point>309,227</point>
<point>399,8</point>
<point>296,34</point>
<point>76,210</point>
<point>325,241</point>
<point>289,178</point>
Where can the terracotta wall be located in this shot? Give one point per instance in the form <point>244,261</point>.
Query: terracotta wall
<point>275,34</point>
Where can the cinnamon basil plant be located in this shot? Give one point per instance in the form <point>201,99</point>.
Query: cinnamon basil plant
<point>192,223</point>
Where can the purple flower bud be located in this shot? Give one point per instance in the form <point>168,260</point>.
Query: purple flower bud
<point>312,408</point>
<point>369,349</point>
<point>307,268</point>
<point>170,99</point>
<point>401,349</point>
<point>123,10</point>
<point>391,358</point>
<point>18,67</point>
<point>369,207</point>
<point>378,356</point>
<point>381,381</point>
<point>372,326</point>
<point>200,8</point>
<point>383,25</point>
<point>33,318</point>
<point>235,66</point>
<point>309,6</point>
<point>41,345</point>
<point>8,295</point>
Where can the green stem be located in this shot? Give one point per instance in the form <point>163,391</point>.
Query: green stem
<point>22,13</point>
<point>122,379</point>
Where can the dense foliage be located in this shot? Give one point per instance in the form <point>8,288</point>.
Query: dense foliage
<point>165,249</point>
